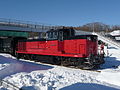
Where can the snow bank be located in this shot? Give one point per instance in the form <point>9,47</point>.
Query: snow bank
<point>115,33</point>
<point>111,69</point>
<point>55,78</point>
<point>110,76</point>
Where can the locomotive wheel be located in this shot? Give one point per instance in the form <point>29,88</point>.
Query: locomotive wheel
<point>82,65</point>
<point>18,56</point>
<point>56,61</point>
<point>88,67</point>
<point>65,62</point>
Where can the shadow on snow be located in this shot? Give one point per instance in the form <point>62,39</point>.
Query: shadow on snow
<point>88,86</point>
<point>112,47</point>
<point>110,62</point>
<point>17,66</point>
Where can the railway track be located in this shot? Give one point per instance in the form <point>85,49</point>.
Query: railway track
<point>73,67</point>
<point>6,84</point>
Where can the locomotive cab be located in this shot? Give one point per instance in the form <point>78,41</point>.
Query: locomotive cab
<point>60,34</point>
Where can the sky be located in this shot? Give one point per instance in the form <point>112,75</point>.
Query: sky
<point>62,12</point>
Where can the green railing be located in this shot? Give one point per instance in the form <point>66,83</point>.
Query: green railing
<point>13,34</point>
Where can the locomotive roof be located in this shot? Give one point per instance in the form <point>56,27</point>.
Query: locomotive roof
<point>82,36</point>
<point>60,30</point>
<point>87,35</point>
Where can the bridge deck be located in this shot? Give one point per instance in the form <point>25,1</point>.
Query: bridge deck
<point>16,25</point>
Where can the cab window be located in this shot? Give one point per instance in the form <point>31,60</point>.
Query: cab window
<point>52,35</point>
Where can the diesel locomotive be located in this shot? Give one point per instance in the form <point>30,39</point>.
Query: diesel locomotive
<point>63,47</point>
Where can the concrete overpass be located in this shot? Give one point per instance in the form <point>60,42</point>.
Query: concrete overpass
<point>17,25</point>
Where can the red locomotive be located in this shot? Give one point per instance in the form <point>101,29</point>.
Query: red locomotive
<point>63,47</point>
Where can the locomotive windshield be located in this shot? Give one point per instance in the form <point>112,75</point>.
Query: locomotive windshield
<point>60,34</point>
<point>52,35</point>
<point>93,38</point>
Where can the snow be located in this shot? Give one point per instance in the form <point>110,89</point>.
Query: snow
<point>115,33</point>
<point>111,71</point>
<point>110,76</point>
<point>32,76</point>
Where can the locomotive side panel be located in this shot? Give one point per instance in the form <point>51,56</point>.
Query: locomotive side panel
<point>21,46</point>
<point>92,47</point>
<point>70,46</point>
<point>52,47</point>
<point>31,46</point>
<point>82,49</point>
<point>75,46</point>
<point>39,47</point>
<point>42,45</point>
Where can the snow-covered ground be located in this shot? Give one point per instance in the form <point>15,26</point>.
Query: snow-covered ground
<point>33,76</point>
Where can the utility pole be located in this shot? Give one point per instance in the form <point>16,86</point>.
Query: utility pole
<point>93,28</point>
